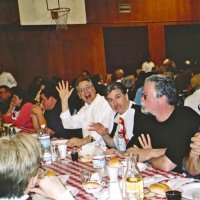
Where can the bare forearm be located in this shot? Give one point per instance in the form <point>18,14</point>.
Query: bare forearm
<point>65,105</point>
<point>192,165</point>
<point>163,163</point>
<point>109,141</point>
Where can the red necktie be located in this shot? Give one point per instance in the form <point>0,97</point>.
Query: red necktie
<point>122,129</point>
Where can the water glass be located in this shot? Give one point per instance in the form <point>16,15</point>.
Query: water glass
<point>85,176</point>
<point>62,149</point>
<point>74,154</point>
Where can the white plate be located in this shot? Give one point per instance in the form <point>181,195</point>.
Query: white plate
<point>188,189</point>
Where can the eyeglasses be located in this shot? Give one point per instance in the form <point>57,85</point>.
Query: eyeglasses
<point>144,96</point>
<point>87,88</point>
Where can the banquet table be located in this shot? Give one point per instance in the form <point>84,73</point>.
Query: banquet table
<point>72,168</point>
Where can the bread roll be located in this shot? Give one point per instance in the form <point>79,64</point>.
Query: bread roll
<point>91,185</point>
<point>50,173</point>
<point>159,188</point>
<point>114,162</point>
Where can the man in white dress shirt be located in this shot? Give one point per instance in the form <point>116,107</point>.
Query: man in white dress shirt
<point>7,78</point>
<point>117,97</point>
<point>96,109</point>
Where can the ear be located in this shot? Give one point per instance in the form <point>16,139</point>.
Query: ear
<point>164,98</point>
<point>79,95</point>
<point>126,96</point>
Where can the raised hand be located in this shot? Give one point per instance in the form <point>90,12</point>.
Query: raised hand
<point>145,141</point>
<point>99,128</point>
<point>64,93</point>
<point>63,90</point>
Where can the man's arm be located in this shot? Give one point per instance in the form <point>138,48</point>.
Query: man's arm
<point>101,130</point>
<point>192,162</point>
<point>160,161</point>
<point>145,154</point>
<point>192,165</point>
<point>163,163</point>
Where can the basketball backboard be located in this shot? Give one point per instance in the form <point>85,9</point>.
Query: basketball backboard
<point>35,12</point>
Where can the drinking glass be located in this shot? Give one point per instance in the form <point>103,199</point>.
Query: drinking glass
<point>173,195</point>
<point>84,175</point>
<point>74,154</point>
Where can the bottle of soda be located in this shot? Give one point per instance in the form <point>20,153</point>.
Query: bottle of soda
<point>45,142</point>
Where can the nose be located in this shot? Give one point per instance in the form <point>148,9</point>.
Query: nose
<point>115,102</point>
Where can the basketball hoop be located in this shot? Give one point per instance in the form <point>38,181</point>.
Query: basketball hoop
<point>60,16</point>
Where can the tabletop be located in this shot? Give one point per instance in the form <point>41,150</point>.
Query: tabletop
<point>67,166</point>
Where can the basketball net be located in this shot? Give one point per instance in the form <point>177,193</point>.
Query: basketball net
<point>60,15</point>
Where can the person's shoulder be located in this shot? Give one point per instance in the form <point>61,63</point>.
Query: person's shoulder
<point>186,111</point>
<point>27,105</point>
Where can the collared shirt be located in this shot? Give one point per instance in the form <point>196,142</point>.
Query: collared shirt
<point>98,111</point>
<point>6,78</point>
<point>128,117</point>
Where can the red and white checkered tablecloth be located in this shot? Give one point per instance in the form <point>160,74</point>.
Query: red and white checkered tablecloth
<point>67,166</point>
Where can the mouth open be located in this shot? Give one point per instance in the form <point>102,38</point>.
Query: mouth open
<point>87,97</point>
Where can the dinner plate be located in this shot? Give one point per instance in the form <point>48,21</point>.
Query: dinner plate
<point>188,189</point>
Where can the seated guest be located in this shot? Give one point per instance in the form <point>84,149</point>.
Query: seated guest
<point>193,100</point>
<point>96,109</point>
<point>192,161</point>
<point>97,81</point>
<point>117,97</point>
<point>50,102</point>
<point>20,110</point>
<point>168,126</point>
<point>20,161</point>
<point>126,110</point>
<point>35,87</point>
<point>119,75</point>
<point>6,78</point>
<point>5,98</point>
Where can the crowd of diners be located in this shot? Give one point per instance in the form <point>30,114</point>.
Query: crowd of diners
<point>160,107</point>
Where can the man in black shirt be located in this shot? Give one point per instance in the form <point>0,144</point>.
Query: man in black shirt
<point>50,101</point>
<point>167,126</point>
